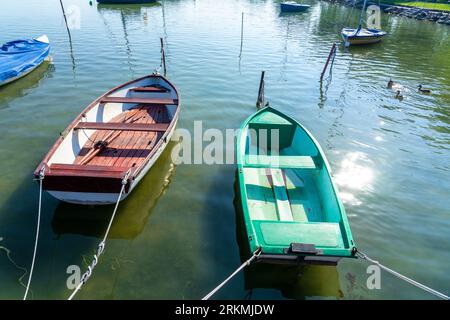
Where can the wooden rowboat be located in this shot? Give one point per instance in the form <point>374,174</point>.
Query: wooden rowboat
<point>119,135</point>
<point>290,205</point>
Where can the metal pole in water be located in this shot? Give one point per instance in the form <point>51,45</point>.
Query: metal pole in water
<point>65,19</point>
<point>242,34</point>
<point>260,100</point>
<point>332,51</point>
<point>163,57</point>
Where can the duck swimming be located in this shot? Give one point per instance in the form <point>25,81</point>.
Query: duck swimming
<point>423,90</point>
<point>390,83</point>
<point>398,95</point>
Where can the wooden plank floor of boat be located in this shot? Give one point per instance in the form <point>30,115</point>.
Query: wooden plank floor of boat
<point>128,148</point>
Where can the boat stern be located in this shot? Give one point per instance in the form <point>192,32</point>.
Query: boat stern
<point>85,184</point>
<point>294,242</point>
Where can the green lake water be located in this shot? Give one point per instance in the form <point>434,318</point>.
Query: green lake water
<point>177,236</point>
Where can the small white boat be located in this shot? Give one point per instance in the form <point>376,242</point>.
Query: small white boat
<point>118,136</point>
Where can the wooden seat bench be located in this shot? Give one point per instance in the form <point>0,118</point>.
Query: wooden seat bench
<point>280,161</point>
<point>153,101</point>
<point>151,127</point>
<point>78,170</point>
<point>150,89</point>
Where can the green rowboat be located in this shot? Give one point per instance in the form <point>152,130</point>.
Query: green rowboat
<point>290,205</point>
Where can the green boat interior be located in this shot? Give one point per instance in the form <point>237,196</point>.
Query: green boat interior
<point>290,196</point>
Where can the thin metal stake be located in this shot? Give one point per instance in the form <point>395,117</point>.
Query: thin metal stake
<point>242,34</point>
<point>332,52</point>
<point>65,19</point>
<point>163,57</point>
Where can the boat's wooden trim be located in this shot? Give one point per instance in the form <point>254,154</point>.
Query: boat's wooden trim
<point>137,170</point>
<point>153,127</point>
<point>151,101</point>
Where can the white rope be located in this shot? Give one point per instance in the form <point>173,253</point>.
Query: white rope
<point>404,278</point>
<point>41,177</point>
<point>101,246</point>
<point>245,264</point>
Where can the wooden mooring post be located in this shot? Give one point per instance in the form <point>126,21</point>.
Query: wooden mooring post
<point>260,100</point>
<point>242,34</point>
<point>332,52</point>
<point>163,57</point>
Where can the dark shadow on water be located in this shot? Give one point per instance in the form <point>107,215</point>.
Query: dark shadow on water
<point>292,282</point>
<point>23,86</point>
<point>133,212</point>
<point>69,233</point>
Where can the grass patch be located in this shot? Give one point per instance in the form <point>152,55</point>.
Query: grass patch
<point>426,5</point>
<point>438,5</point>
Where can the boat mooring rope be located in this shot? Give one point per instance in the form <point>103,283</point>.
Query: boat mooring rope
<point>245,264</point>
<point>101,246</point>
<point>41,177</point>
<point>402,277</point>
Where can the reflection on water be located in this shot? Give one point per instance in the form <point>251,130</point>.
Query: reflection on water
<point>133,212</point>
<point>391,157</point>
<point>295,282</point>
<point>353,177</point>
<point>23,86</point>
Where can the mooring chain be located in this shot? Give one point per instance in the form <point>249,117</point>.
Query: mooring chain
<point>85,277</point>
<point>40,179</point>
<point>101,246</point>
<point>402,277</point>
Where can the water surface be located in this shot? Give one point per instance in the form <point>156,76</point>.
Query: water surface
<point>176,237</point>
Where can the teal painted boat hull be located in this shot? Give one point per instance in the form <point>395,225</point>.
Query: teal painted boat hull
<point>290,205</point>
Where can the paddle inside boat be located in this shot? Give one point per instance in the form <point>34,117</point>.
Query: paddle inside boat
<point>290,205</point>
<point>360,35</point>
<point>118,136</point>
<point>291,6</point>
<point>18,58</point>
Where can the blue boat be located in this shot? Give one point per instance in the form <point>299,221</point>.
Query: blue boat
<point>18,58</point>
<point>361,36</point>
<point>125,1</point>
<point>291,6</point>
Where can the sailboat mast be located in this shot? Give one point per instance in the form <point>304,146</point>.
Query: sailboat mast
<point>361,15</point>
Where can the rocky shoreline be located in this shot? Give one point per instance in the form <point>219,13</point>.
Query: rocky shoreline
<point>438,16</point>
<point>441,17</point>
